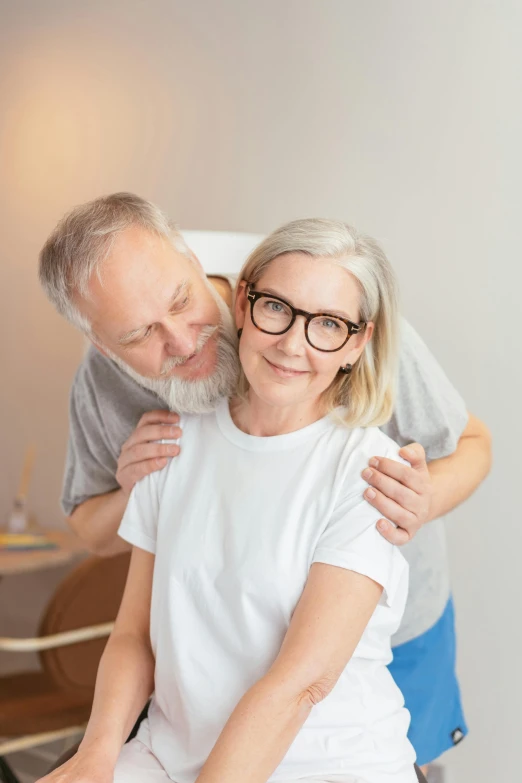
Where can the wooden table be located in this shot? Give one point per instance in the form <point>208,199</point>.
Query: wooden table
<point>69,548</point>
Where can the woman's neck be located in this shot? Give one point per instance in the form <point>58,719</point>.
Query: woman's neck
<point>256,417</point>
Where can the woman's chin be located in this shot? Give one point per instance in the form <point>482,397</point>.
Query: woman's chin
<point>278,396</point>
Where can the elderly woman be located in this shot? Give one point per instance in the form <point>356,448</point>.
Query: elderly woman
<point>261,614</point>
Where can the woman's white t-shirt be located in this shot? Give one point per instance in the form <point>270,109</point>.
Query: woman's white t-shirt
<point>235,523</point>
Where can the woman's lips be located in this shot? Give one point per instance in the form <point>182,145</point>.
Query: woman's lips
<point>284,372</point>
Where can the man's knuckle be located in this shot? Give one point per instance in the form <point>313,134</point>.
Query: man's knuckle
<point>404,520</point>
<point>405,472</point>
<point>403,498</point>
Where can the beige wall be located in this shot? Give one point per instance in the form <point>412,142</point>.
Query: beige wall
<point>402,117</point>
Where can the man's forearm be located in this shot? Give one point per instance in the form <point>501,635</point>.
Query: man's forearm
<point>96,522</point>
<point>456,477</point>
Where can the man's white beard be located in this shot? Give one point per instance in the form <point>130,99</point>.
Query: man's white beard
<point>203,394</point>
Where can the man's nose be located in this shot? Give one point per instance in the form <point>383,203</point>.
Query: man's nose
<point>180,339</point>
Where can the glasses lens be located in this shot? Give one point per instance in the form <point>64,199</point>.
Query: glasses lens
<point>271,315</point>
<point>327,333</point>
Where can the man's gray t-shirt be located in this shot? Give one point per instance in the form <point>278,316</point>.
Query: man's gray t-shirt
<point>106,405</point>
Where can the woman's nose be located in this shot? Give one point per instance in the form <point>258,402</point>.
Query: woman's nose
<point>294,341</point>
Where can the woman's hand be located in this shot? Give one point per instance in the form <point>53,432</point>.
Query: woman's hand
<point>402,493</point>
<point>83,767</point>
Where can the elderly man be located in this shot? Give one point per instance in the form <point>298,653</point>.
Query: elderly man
<point>163,341</point>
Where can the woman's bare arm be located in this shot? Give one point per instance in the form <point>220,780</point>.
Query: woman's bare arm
<point>334,609</point>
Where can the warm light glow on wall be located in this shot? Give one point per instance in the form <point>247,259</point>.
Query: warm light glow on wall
<point>81,122</point>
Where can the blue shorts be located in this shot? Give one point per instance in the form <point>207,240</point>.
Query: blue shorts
<point>424,670</point>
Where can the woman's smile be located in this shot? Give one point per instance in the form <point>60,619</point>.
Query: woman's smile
<point>284,372</point>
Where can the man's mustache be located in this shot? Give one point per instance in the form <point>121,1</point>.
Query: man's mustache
<point>176,361</point>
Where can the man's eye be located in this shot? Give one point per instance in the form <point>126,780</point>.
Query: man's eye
<point>145,334</point>
<point>181,304</point>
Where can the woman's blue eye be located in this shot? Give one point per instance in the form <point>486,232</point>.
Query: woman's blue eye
<point>329,324</point>
<point>275,307</point>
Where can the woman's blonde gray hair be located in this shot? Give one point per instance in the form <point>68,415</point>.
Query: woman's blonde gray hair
<point>83,239</point>
<point>367,394</point>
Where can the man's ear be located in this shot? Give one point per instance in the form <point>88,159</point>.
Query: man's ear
<point>241,304</point>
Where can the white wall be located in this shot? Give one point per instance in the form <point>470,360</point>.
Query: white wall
<point>402,117</point>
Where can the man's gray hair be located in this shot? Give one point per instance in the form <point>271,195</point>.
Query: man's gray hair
<point>83,239</point>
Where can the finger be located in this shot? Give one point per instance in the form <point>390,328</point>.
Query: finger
<point>145,451</point>
<point>144,468</point>
<point>158,417</point>
<point>151,432</point>
<point>402,494</point>
<point>136,472</point>
<point>398,471</point>
<point>395,535</point>
<point>414,453</point>
<point>391,510</point>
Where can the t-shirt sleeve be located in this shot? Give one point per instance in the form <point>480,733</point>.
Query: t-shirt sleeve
<point>139,525</point>
<point>428,408</point>
<point>351,540</point>
<point>90,467</point>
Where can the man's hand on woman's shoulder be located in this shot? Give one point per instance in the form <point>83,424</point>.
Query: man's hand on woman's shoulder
<point>402,493</point>
<point>143,453</point>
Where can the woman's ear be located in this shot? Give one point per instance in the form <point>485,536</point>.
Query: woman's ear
<point>241,304</point>
<point>356,344</point>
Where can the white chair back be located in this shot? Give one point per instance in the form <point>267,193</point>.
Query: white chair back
<point>221,252</point>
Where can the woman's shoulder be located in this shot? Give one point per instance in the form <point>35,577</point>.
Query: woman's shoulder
<point>195,422</point>
<point>359,444</point>
<point>365,439</point>
<point>374,438</point>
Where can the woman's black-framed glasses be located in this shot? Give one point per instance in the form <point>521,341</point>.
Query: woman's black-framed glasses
<point>323,331</point>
